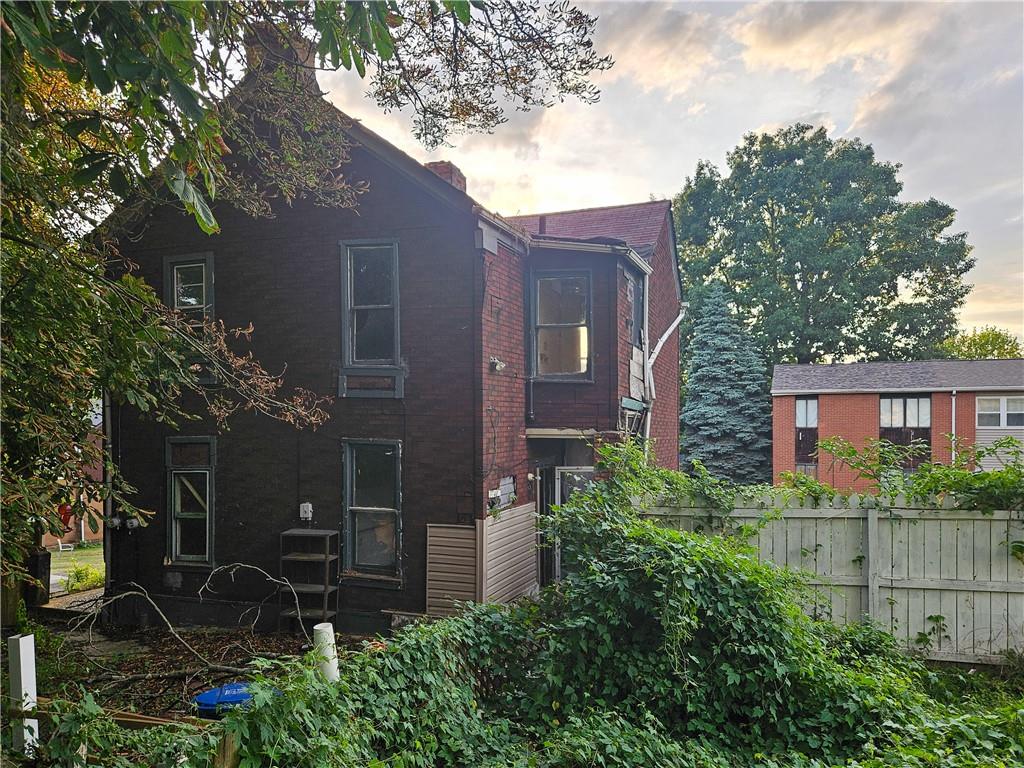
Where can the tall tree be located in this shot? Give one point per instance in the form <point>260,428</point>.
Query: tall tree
<point>118,106</point>
<point>987,343</point>
<point>727,414</point>
<point>822,259</point>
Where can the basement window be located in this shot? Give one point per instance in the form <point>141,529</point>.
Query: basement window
<point>373,507</point>
<point>562,325</point>
<point>190,499</point>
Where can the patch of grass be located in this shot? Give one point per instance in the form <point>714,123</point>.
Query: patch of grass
<point>61,563</point>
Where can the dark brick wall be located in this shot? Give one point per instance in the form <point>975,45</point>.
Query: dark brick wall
<point>283,275</point>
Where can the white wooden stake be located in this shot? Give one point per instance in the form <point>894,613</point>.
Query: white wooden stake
<point>21,659</point>
<point>325,647</point>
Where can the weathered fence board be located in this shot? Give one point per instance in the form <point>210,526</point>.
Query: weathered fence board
<point>942,581</point>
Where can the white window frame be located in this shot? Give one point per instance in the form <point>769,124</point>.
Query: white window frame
<point>1003,412</point>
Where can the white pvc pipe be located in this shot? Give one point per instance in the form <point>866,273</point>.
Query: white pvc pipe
<point>325,647</point>
<point>21,651</point>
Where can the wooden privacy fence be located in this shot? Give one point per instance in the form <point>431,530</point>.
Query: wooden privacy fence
<point>946,582</point>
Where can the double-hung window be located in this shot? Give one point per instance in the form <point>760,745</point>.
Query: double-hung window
<point>807,435</point>
<point>999,411</point>
<point>562,325</point>
<point>190,499</point>
<point>635,299</point>
<point>370,297</point>
<point>188,285</point>
<point>906,419</point>
<point>373,502</point>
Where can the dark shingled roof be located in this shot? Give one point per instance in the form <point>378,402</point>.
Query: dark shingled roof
<point>919,376</point>
<point>638,224</point>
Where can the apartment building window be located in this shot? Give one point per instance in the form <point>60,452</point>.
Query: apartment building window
<point>1000,411</point>
<point>370,297</point>
<point>190,499</point>
<point>906,419</point>
<point>807,435</point>
<point>188,285</point>
<point>373,499</point>
<point>562,325</point>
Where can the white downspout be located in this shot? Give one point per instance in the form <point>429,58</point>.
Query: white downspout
<point>649,365</point>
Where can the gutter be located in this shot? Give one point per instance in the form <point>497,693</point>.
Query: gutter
<point>886,390</point>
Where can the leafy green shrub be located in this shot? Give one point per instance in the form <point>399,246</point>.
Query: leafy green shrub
<point>660,648</point>
<point>82,576</point>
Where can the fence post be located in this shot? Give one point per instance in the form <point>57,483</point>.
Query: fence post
<point>873,564</point>
<point>21,650</point>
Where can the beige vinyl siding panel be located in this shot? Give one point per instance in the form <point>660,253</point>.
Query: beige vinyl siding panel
<point>510,554</point>
<point>985,436</point>
<point>451,567</point>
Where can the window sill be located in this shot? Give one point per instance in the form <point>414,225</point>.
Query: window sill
<point>372,580</point>
<point>563,380</point>
<point>188,566</point>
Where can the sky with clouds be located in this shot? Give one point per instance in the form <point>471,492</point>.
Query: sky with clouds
<point>937,87</point>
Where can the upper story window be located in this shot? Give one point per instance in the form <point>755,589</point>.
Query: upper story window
<point>807,435</point>
<point>905,419</point>
<point>561,338</point>
<point>1000,411</point>
<point>188,285</point>
<point>190,499</point>
<point>373,500</point>
<point>370,296</point>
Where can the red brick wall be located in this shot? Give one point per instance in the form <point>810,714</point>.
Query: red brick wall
<point>783,435</point>
<point>592,404</point>
<point>503,401</point>
<point>942,413</point>
<point>663,309</point>
<point>853,416</point>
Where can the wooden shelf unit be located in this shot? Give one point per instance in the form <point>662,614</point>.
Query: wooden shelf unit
<point>310,562</point>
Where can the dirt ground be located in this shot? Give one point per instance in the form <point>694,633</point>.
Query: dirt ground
<point>151,671</point>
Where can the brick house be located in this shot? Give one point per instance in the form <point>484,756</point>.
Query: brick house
<point>474,360</point>
<point>977,401</point>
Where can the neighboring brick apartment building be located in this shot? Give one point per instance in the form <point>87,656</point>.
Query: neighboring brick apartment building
<point>474,360</point>
<point>978,401</point>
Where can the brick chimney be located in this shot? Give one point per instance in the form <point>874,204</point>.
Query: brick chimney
<point>449,172</point>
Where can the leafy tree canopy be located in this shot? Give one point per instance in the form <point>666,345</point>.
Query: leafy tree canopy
<point>987,343</point>
<point>115,107</point>
<point>821,257</point>
<point>726,415</point>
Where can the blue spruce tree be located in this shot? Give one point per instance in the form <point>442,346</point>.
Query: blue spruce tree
<point>727,414</point>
